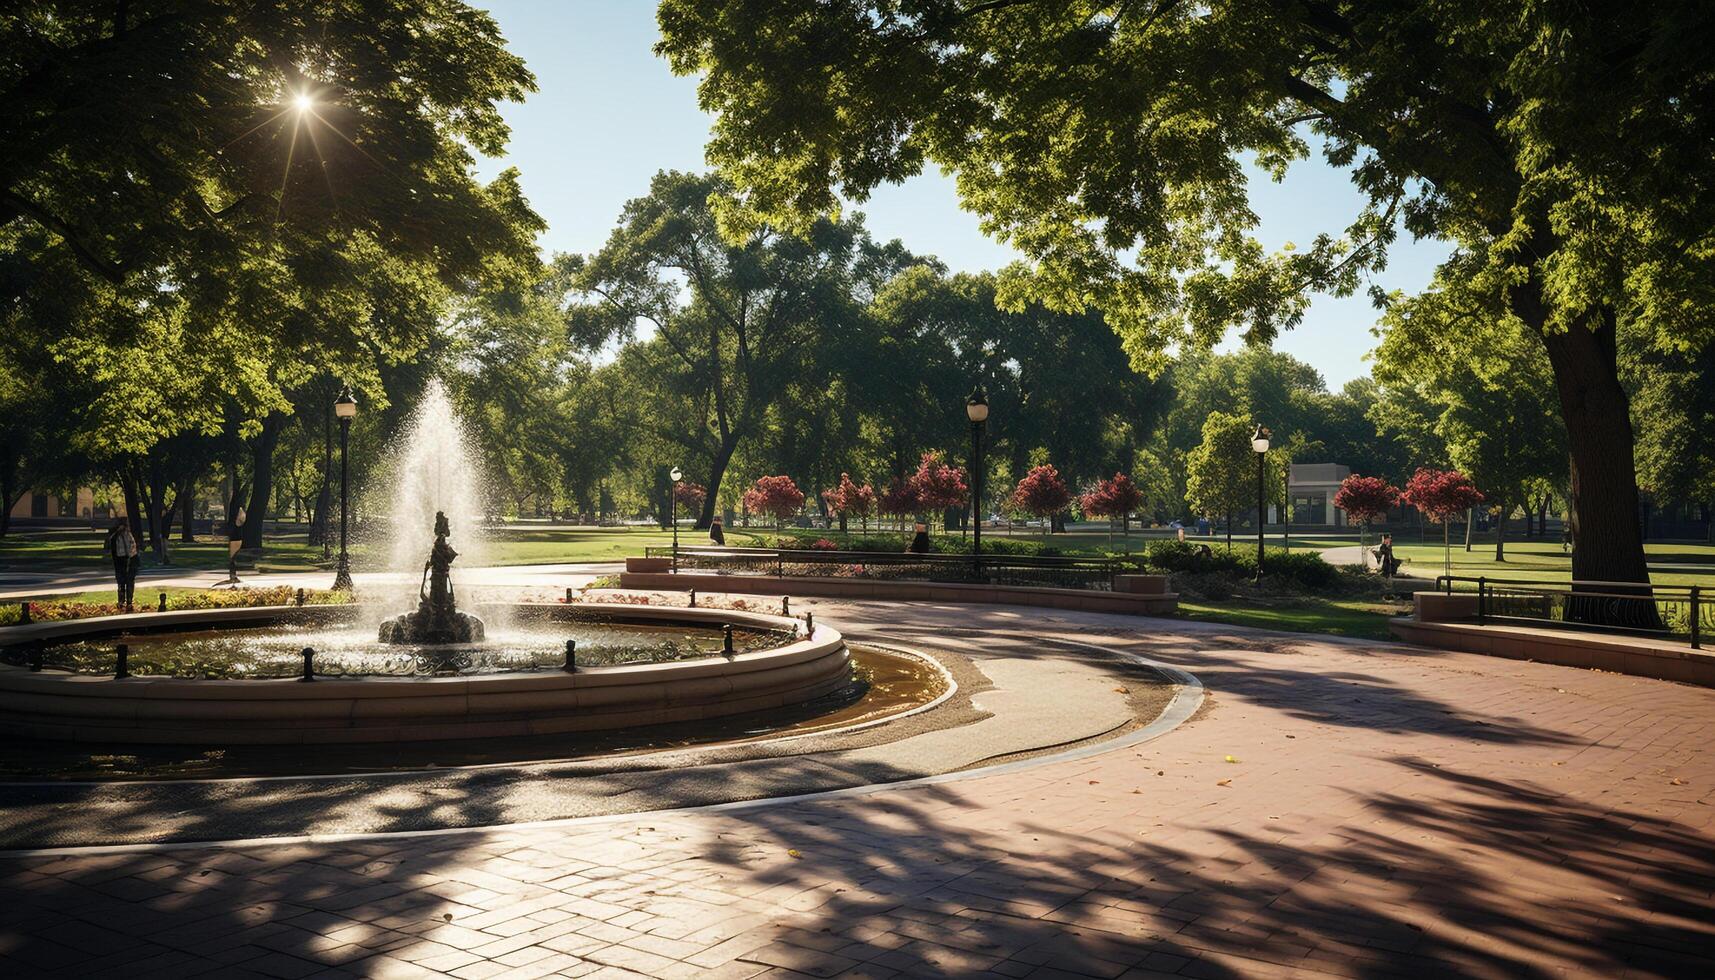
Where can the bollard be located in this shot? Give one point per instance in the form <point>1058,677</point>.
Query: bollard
<point>162,605</point>
<point>300,597</point>
<point>726,641</point>
<point>23,614</point>
<point>785,605</point>
<point>568,593</point>
<point>122,668</point>
<point>571,657</point>
<point>309,668</point>
<point>35,658</point>
<point>693,598</point>
<point>809,624</point>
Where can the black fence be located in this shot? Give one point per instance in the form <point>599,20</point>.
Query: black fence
<point>1670,611</point>
<point>1055,572</point>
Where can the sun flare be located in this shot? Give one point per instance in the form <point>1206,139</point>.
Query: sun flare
<point>303,103</point>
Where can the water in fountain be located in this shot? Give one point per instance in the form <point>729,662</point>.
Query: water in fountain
<point>433,469</point>
<point>433,476</point>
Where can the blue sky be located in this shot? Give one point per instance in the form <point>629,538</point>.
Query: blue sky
<point>608,114</point>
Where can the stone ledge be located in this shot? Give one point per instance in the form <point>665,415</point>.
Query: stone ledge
<point>1639,657</point>
<point>173,710</point>
<point>1138,603</point>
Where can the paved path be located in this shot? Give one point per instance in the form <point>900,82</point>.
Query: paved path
<point>1337,808</point>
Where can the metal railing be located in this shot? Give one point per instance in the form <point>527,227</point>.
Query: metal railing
<point>1025,570</point>
<point>1677,611</point>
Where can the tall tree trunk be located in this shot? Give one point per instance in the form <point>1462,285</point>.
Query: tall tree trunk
<point>261,480</point>
<point>10,491</point>
<point>1608,543</point>
<point>129,488</point>
<point>187,500</point>
<point>1604,481</point>
<point>155,506</point>
<point>1501,531</point>
<point>717,472</point>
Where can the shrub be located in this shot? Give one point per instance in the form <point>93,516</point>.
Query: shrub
<point>1301,569</point>
<point>823,544</point>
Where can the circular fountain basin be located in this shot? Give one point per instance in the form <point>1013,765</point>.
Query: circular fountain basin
<point>488,699</point>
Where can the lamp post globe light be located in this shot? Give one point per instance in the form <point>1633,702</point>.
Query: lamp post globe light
<point>345,408</point>
<point>673,512</point>
<point>1259,445</point>
<point>977,410</point>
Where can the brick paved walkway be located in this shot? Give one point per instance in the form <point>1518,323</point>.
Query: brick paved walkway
<point>1384,811</point>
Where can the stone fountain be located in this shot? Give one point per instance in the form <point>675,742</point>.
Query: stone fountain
<point>437,619</point>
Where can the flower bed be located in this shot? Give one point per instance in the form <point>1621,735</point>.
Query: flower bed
<point>59,610</point>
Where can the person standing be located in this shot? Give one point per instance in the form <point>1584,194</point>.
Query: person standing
<point>234,544</point>
<point>716,534</point>
<point>122,545</point>
<point>919,541</point>
<point>1384,553</point>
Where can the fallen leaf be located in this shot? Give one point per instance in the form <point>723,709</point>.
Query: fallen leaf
<point>1119,690</point>
<point>1231,759</point>
<point>1161,772</point>
<point>1677,782</point>
<point>1223,782</point>
<point>1094,782</point>
<point>447,916</point>
<point>793,853</point>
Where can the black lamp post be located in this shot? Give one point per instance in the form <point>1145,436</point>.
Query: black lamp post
<point>1259,444</point>
<point>977,410</point>
<point>345,407</point>
<point>673,513</point>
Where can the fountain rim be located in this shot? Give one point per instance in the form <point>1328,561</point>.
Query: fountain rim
<point>249,617</point>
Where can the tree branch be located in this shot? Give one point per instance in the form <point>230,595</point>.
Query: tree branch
<point>111,271</point>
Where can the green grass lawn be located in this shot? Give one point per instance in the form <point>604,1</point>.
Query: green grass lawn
<point>1364,618</point>
<point>1671,563</point>
<point>74,550</point>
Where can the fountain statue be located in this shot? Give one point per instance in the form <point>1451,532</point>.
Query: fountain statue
<point>437,619</point>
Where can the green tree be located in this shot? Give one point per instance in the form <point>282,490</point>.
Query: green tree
<point>1220,474</point>
<point>1673,411</point>
<point>225,203</point>
<point>1563,149</point>
<point>751,319</point>
<point>1486,392</point>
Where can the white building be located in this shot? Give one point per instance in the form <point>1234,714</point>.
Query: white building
<point>1312,487</point>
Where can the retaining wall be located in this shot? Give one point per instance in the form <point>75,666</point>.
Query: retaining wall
<point>1141,602</point>
<point>1638,656</point>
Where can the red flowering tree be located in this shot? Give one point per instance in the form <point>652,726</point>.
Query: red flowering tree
<point>1365,499</point>
<point>1043,494</point>
<point>1441,495</point>
<point>690,495</point>
<point>900,499</point>
<point>1113,498</point>
<point>939,486</point>
<point>850,500</point>
<point>776,496</point>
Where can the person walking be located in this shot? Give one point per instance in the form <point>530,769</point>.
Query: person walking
<point>716,534</point>
<point>122,545</point>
